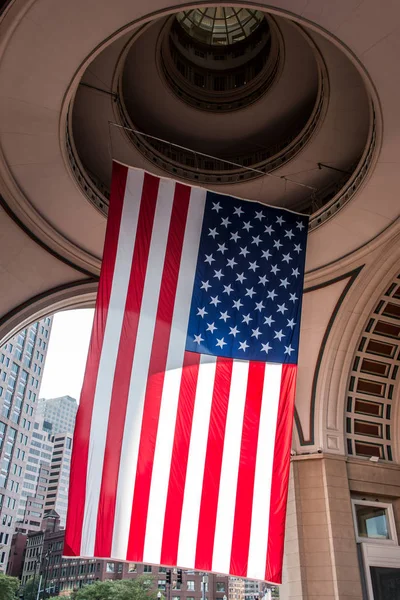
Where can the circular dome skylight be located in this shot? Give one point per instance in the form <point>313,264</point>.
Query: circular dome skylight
<point>220,26</point>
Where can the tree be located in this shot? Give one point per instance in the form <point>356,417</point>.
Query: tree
<point>124,589</point>
<point>31,589</point>
<point>8,587</point>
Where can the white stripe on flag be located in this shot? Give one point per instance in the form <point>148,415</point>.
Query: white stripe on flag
<point>230,468</point>
<point>170,394</point>
<point>196,460</point>
<point>263,475</point>
<point>109,352</point>
<point>140,365</point>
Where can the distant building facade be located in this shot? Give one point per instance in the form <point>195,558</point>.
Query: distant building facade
<point>236,588</point>
<point>34,488</point>
<point>22,362</point>
<point>17,555</point>
<point>60,412</point>
<point>58,483</point>
<point>42,556</point>
<point>252,589</point>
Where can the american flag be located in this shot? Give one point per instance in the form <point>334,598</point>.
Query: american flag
<point>183,434</point>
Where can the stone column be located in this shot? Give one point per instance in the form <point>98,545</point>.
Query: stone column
<point>320,552</point>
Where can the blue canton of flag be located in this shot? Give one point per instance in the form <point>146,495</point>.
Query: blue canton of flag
<point>247,293</point>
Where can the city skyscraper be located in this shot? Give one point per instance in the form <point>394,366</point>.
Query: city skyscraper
<point>60,412</point>
<point>34,488</point>
<point>22,362</point>
<point>57,489</point>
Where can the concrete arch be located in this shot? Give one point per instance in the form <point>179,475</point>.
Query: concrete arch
<point>358,306</point>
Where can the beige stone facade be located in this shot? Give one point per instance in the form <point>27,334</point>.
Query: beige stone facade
<point>236,588</point>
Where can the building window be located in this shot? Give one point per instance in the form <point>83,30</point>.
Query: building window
<point>110,567</point>
<point>374,522</point>
<point>190,586</point>
<point>132,568</point>
<point>176,585</point>
<point>161,584</point>
<point>147,568</point>
<point>220,587</point>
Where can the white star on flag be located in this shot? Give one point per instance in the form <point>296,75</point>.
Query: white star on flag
<point>231,263</point>
<point>215,300</point>
<point>289,349</point>
<point>228,289</point>
<point>237,304</point>
<point>279,335</point>
<point>247,226</point>
<point>266,347</point>
<point>250,292</point>
<point>282,308</point>
<point>221,343</point>
<point>213,233</point>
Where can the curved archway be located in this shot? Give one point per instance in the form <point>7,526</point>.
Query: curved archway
<point>348,386</point>
<point>79,294</point>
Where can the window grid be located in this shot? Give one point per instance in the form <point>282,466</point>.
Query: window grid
<point>372,382</point>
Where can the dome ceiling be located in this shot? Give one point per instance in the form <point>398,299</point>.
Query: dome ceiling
<point>220,25</point>
<point>280,115</point>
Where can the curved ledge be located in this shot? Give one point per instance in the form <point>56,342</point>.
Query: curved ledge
<point>342,196</point>
<point>352,184</point>
<point>79,294</point>
<point>224,101</point>
<point>198,168</point>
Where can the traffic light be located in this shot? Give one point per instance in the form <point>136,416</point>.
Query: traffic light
<point>168,576</point>
<point>179,576</point>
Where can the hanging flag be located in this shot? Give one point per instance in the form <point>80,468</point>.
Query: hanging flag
<point>182,441</point>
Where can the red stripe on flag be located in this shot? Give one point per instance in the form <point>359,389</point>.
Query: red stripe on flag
<point>280,474</point>
<point>213,463</point>
<point>126,350</point>
<point>155,381</point>
<point>79,462</point>
<point>247,467</point>
<point>179,459</point>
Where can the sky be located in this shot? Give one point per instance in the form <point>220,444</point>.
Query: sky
<point>67,352</point>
